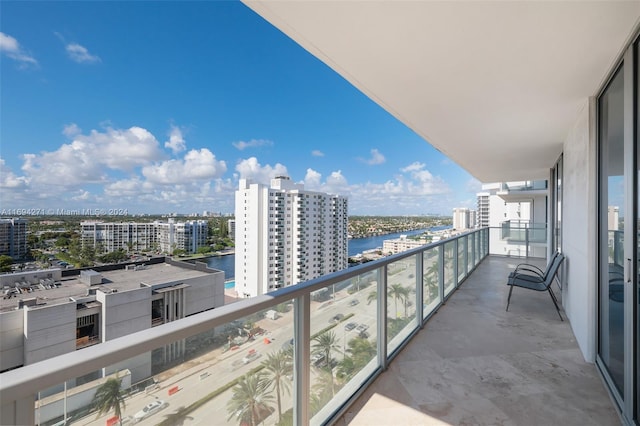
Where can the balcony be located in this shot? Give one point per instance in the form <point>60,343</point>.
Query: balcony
<point>352,332</point>
<point>521,367</point>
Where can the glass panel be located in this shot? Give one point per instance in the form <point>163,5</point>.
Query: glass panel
<point>343,342</point>
<point>470,247</point>
<point>611,342</point>
<point>449,267</point>
<point>431,280</point>
<point>401,297</point>
<point>462,266</point>
<point>558,206</point>
<point>232,373</point>
<point>478,246</point>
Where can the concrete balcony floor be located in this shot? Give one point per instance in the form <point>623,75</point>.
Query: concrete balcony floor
<point>475,364</point>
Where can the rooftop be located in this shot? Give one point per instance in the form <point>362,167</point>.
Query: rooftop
<point>120,280</point>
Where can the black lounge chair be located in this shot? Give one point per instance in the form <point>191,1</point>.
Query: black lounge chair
<point>533,278</point>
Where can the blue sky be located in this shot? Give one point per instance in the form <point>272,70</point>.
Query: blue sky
<point>161,107</point>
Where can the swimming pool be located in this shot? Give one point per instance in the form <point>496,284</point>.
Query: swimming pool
<point>229,285</point>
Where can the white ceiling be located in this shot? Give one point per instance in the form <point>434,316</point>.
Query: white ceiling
<point>494,85</point>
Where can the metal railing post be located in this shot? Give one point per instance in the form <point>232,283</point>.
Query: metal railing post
<point>382,317</point>
<point>301,356</point>
<point>419,287</point>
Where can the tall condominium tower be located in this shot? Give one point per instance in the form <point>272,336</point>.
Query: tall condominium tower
<point>13,237</point>
<point>286,235</point>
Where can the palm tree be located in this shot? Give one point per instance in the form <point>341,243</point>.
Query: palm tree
<point>325,343</point>
<point>431,278</point>
<point>177,418</point>
<point>323,391</point>
<point>250,398</point>
<point>397,292</point>
<point>109,396</point>
<point>361,351</point>
<point>372,297</point>
<point>279,367</point>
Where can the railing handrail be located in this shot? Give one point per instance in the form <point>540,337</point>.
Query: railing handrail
<point>22,382</point>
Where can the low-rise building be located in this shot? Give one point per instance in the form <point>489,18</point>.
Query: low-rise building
<point>45,313</point>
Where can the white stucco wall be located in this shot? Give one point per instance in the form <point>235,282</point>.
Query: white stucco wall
<point>579,231</point>
<point>11,339</point>
<point>49,331</point>
<point>125,312</point>
<point>204,293</point>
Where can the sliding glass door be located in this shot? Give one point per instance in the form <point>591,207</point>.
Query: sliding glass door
<point>619,203</point>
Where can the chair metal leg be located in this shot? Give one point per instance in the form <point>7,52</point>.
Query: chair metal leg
<point>509,298</point>
<point>555,302</point>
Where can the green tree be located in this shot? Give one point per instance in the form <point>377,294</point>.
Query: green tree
<point>109,396</point>
<point>372,297</point>
<point>430,279</point>
<point>398,292</point>
<point>5,263</point>
<point>360,351</point>
<point>250,399</point>
<point>324,344</point>
<point>279,367</point>
<point>62,242</point>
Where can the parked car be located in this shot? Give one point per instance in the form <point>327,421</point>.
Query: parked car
<point>350,326</point>
<point>318,359</point>
<point>362,327</point>
<point>149,409</point>
<point>354,302</point>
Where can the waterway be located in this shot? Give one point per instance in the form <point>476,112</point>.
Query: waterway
<point>355,245</point>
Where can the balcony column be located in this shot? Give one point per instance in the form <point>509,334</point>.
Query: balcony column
<point>420,288</point>
<point>19,412</point>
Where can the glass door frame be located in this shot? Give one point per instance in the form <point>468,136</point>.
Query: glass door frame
<point>629,401</point>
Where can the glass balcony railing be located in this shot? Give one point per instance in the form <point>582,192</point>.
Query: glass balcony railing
<point>519,239</point>
<point>298,355</point>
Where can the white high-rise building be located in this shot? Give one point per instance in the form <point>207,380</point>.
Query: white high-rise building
<point>286,235</point>
<point>463,218</point>
<point>162,236</point>
<point>13,237</point>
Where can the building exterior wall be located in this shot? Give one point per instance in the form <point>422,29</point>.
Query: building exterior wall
<point>13,237</point>
<point>580,247</point>
<point>166,237</point>
<point>401,244</point>
<point>12,340</point>
<point>49,331</point>
<point>124,312</point>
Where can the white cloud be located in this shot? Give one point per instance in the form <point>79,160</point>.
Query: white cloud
<point>71,130</point>
<point>80,54</point>
<point>317,153</point>
<point>250,169</point>
<point>176,142</point>
<point>375,159</point>
<point>10,47</point>
<point>253,143</point>
<point>413,167</point>
<point>312,180</point>
<point>336,182</point>
<point>88,158</point>
<point>9,180</point>
<point>197,165</point>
